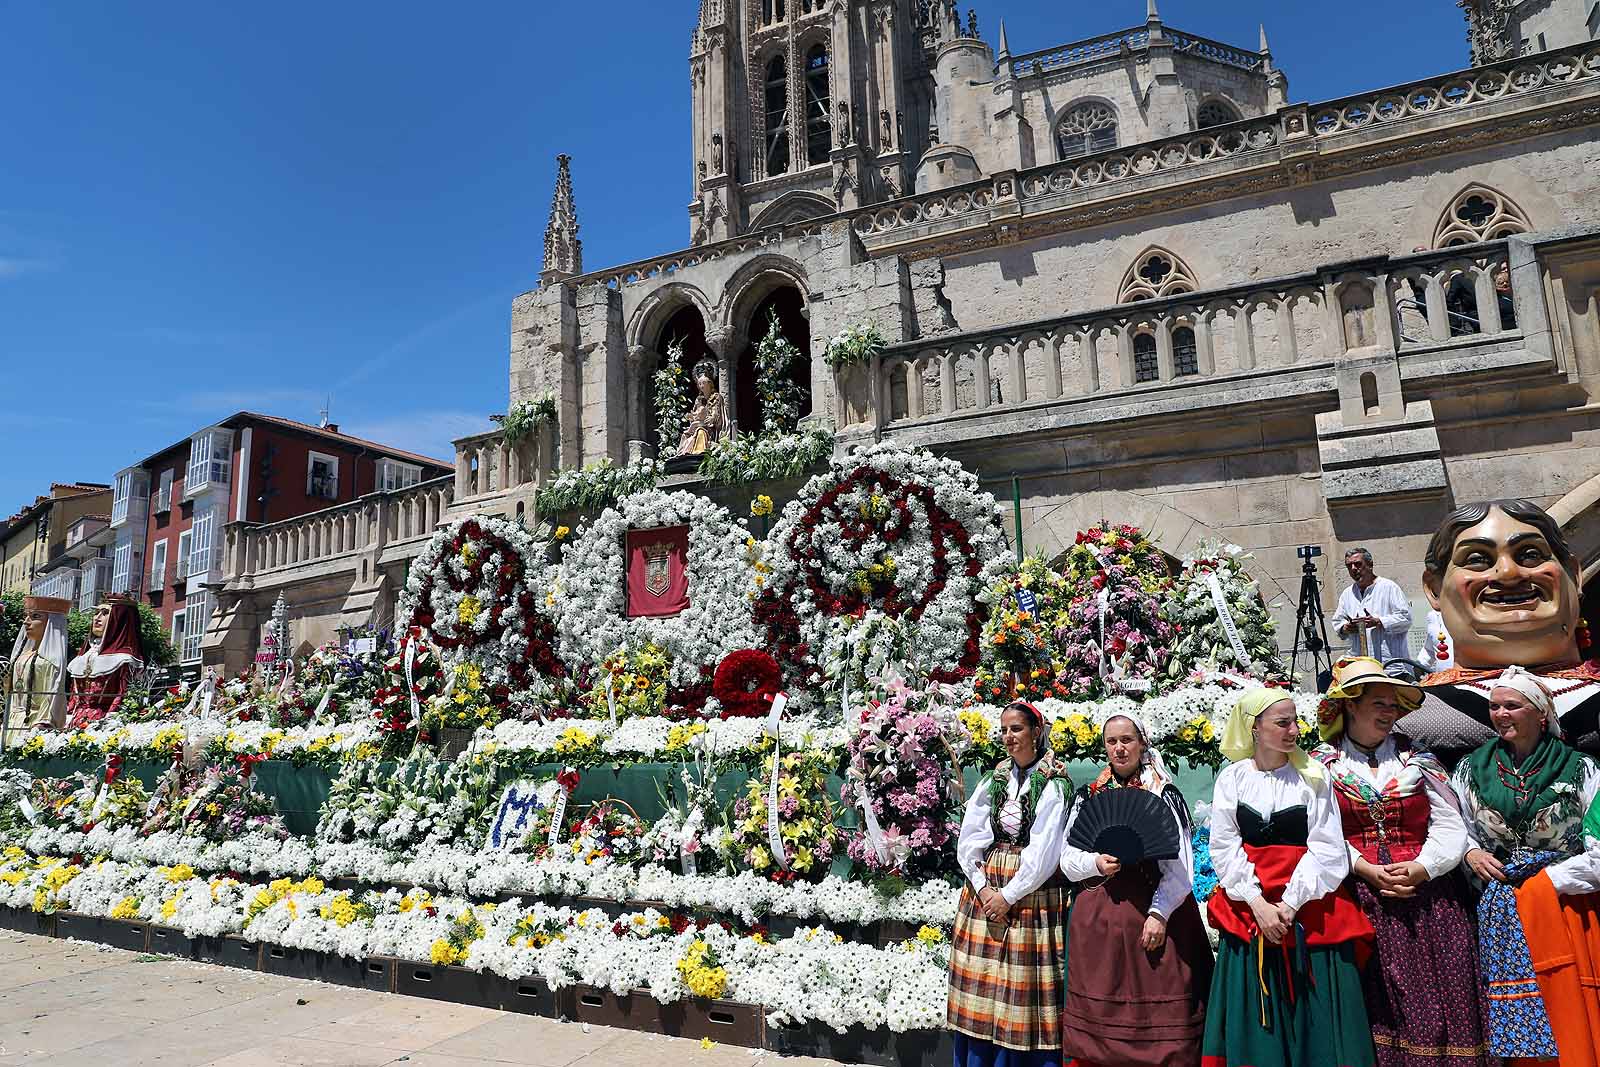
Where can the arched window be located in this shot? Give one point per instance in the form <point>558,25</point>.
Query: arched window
<point>1216,113</point>
<point>819,126</point>
<point>1090,127</point>
<point>1478,213</point>
<point>1156,273</point>
<point>1146,367</point>
<point>1185,353</point>
<point>777,112</point>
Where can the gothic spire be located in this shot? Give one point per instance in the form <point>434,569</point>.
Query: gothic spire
<point>1264,48</point>
<point>1151,14</point>
<point>563,252</point>
<point>1005,48</point>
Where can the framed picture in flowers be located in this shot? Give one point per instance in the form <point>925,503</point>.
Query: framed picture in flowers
<point>657,571</point>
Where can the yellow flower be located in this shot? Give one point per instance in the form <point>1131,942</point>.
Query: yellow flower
<point>469,610</point>
<point>169,907</point>
<point>761,505</point>
<point>126,908</point>
<point>443,952</point>
<point>930,935</point>
<point>561,532</point>
<point>179,873</point>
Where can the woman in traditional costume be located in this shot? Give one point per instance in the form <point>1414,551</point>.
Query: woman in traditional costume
<point>1005,958</point>
<point>101,673</point>
<point>1138,961</point>
<point>1287,989</point>
<point>1525,795</point>
<point>36,693</point>
<point>1406,837</point>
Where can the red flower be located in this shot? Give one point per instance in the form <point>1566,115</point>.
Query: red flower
<point>568,779</point>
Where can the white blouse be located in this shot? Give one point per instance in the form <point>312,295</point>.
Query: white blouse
<point>1574,875</point>
<point>1177,876</point>
<point>1039,856</point>
<point>1327,860</point>
<point>1447,830</point>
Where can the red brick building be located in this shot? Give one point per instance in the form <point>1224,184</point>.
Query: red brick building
<point>169,509</point>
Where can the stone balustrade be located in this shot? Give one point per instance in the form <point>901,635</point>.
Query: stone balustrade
<point>487,465</point>
<point>645,270</point>
<point>1089,51</point>
<point>1195,45</point>
<point>1406,305</point>
<point>374,523</point>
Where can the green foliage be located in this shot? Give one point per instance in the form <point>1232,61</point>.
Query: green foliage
<point>669,399</point>
<point>778,393</point>
<point>853,345</point>
<point>596,486</point>
<point>10,619</point>
<point>526,417</point>
<point>765,457</point>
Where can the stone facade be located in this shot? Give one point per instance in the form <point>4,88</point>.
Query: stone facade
<point>1501,29</point>
<point>1230,317</point>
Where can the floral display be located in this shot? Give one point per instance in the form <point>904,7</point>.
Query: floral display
<point>900,762</point>
<point>1115,638</point>
<point>766,457</point>
<point>594,623</point>
<point>403,688</point>
<point>778,395</point>
<point>1027,608</point>
<point>217,802</point>
<point>885,534</point>
<point>805,818</point>
<point>854,345</point>
<point>1201,641</point>
<point>596,485</point>
<point>745,682</point>
<point>466,703</point>
<point>478,592</point>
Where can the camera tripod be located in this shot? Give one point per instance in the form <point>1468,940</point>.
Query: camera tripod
<point>1311,627</point>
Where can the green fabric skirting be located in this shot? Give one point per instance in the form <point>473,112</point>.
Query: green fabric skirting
<point>1315,1016</point>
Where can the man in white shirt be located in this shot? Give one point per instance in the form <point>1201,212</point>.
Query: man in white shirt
<point>1374,615</point>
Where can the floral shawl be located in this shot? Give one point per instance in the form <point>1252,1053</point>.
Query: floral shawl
<point>1416,768</point>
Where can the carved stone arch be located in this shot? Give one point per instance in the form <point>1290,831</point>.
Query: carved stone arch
<point>753,281</point>
<point>794,206</point>
<point>661,304</point>
<point>1156,272</point>
<point>1094,119</point>
<point>1054,530</point>
<point>1579,515</point>
<point>1215,110</point>
<point>1478,213</point>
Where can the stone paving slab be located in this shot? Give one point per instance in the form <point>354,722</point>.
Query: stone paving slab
<point>66,1002</point>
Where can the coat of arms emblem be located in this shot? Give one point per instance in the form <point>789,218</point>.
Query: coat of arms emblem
<point>657,568</point>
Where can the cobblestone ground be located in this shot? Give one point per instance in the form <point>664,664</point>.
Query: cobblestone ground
<point>65,1002</point>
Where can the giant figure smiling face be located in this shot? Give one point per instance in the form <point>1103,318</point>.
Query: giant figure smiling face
<point>1506,582</point>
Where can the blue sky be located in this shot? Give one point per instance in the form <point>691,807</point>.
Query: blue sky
<point>208,206</point>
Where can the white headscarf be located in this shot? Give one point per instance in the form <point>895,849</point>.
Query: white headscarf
<point>1153,773</point>
<point>1528,684</point>
<point>52,649</point>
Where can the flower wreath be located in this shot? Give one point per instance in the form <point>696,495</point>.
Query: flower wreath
<point>593,623</point>
<point>746,682</point>
<point>475,592</point>
<point>885,534</point>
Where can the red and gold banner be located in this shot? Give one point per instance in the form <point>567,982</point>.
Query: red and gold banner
<point>658,577</point>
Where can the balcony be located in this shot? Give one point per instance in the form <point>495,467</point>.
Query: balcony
<point>94,584</point>
<point>488,467</point>
<point>130,501</point>
<point>1275,341</point>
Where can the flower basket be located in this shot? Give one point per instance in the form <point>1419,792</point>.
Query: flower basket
<point>453,740</point>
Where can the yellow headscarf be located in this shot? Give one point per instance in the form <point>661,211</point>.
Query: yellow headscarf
<point>1238,743</point>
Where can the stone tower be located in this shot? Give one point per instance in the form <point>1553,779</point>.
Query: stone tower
<point>563,252</point>
<point>1505,29</point>
<point>806,107</point>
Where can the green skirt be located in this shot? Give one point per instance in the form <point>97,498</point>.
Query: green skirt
<point>1314,1014</point>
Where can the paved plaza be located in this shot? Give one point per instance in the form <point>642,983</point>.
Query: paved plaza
<point>67,1002</point>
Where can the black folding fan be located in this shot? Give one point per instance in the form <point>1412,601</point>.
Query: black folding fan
<point>1131,824</point>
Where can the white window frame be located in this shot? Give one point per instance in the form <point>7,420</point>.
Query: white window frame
<point>119,496</point>
<point>393,475</point>
<point>312,459</point>
<point>158,577</point>
<point>121,566</point>
<point>163,500</point>
<point>198,603</point>
<point>179,626</point>
<point>202,536</point>
<point>185,547</point>
<point>210,460</point>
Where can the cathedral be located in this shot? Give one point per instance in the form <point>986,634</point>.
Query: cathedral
<point>1130,277</point>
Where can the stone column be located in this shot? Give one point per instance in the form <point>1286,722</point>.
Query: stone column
<point>722,343</point>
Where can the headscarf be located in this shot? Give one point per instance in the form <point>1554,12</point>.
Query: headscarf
<point>1528,684</point>
<point>1362,672</point>
<point>1551,763</point>
<point>53,650</point>
<point>1238,743</point>
<point>1153,777</point>
<point>118,646</point>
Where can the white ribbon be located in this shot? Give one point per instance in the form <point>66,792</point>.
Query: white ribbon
<point>691,826</point>
<point>874,829</point>
<point>774,831</point>
<point>200,699</point>
<point>27,811</point>
<point>1103,598</point>
<point>558,815</point>
<point>288,674</point>
<point>411,686</point>
<point>844,703</point>
<point>322,705</point>
<point>1229,627</point>
<point>611,696</point>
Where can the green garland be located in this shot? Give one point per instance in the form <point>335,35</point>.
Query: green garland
<point>525,417</point>
<point>853,345</point>
<point>670,414</point>
<point>766,457</point>
<point>778,393</point>
<point>596,486</point>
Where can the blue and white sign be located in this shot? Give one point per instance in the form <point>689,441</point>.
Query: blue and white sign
<point>1027,603</point>
<point>520,802</point>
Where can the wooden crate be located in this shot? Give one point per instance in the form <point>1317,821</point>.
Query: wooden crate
<point>118,933</point>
